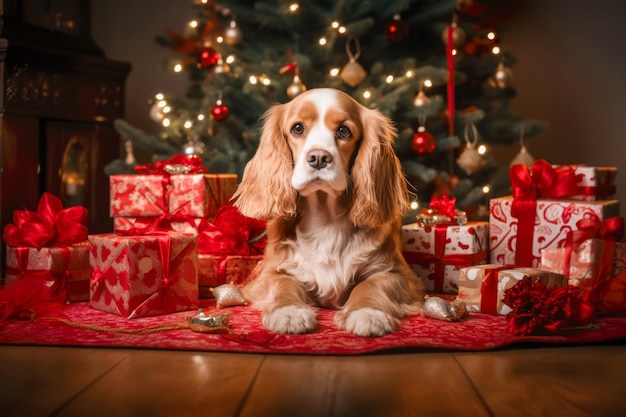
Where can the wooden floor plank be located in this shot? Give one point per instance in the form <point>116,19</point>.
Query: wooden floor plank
<point>169,383</point>
<point>427,384</point>
<point>36,381</point>
<point>557,381</point>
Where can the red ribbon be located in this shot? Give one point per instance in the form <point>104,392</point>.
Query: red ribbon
<point>193,162</point>
<point>608,294</point>
<point>450,62</point>
<point>51,225</point>
<point>489,289</point>
<point>541,180</point>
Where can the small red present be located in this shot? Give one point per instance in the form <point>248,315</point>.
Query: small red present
<point>138,195</point>
<point>595,183</point>
<point>143,275</point>
<point>200,195</point>
<point>62,272</point>
<point>47,249</point>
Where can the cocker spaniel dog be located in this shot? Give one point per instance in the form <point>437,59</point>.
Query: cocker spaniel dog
<point>326,179</point>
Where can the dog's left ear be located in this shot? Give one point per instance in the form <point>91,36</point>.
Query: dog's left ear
<point>379,187</point>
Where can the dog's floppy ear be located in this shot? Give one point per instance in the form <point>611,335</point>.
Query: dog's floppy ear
<point>265,190</point>
<point>379,187</point>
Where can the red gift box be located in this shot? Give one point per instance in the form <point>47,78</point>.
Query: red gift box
<point>138,195</point>
<point>435,253</point>
<point>200,195</point>
<point>595,183</point>
<point>215,270</point>
<point>62,272</point>
<point>143,275</point>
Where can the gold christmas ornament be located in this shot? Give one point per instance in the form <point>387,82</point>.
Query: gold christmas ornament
<point>353,73</point>
<point>421,99</point>
<point>296,87</point>
<point>502,78</point>
<point>458,35</point>
<point>470,159</point>
<point>232,34</point>
<point>228,295</point>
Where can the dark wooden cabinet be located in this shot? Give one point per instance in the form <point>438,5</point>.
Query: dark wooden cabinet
<point>60,96</point>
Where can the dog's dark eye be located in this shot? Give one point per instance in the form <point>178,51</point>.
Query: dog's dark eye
<point>297,129</point>
<point>344,133</point>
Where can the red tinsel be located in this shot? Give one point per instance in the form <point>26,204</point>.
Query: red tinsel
<point>50,225</point>
<point>537,309</point>
<point>194,163</point>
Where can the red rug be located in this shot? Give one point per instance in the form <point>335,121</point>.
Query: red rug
<point>479,332</point>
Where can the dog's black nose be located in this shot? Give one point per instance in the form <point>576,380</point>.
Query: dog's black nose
<point>318,159</point>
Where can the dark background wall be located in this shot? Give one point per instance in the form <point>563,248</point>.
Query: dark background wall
<point>570,71</point>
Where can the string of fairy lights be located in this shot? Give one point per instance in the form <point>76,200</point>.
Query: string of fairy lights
<point>163,112</point>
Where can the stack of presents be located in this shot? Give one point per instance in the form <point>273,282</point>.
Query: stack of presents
<point>176,237</point>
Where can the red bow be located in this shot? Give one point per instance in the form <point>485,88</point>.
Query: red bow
<point>51,225</point>
<point>444,205</point>
<point>194,164</point>
<point>542,180</point>
<point>231,233</point>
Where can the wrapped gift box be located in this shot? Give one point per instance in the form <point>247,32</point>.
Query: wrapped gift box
<point>435,253</point>
<point>143,275</point>
<point>200,195</point>
<point>595,183</point>
<point>482,287</point>
<point>215,270</point>
<point>585,260</point>
<point>138,195</point>
<point>554,219</point>
<point>57,270</point>
<point>188,225</point>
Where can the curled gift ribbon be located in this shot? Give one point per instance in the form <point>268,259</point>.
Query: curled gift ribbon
<point>178,164</point>
<point>541,180</point>
<point>50,225</point>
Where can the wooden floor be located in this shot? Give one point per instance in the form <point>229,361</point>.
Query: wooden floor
<point>522,381</point>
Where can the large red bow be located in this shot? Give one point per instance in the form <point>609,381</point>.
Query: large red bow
<point>231,233</point>
<point>542,180</point>
<point>193,163</point>
<point>51,225</point>
<point>444,205</point>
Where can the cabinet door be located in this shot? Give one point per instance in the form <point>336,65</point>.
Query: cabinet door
<point>76,154</point>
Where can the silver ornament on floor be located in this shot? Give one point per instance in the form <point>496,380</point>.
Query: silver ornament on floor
<point>438,308</point>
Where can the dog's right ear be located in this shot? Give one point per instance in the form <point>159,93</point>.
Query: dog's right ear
<point>265,191</point>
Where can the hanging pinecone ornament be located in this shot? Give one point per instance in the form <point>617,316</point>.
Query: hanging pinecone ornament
<point>353,73</point>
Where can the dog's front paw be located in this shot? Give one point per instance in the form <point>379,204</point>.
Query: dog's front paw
<point>366,322</point>
<point>291,319</point>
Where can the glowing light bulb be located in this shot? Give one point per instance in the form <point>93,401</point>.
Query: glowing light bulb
<point>409,74</point>
<point>486,189</point>
<point>219,39</point>
<point>454,52</point>
<point>389,79</point>
<point>193,24</point>
<point>166,122</point>
<point>491,36</point>
<point>414,205</point>
<point>334,72</point>
<point>367,94</point>
<point>495,50</point>
<point>334,25</point>
<point>293,7</point>
<point>159,96</point>
<point>167,109</point>
<point>322,41</point>
<point>187,124</point>
<point>482,149</point>
<point>253,80</point>
<point>230,59</point>
<point>178,68</point>
<point>342,29</point>
<point>200,117</point>
<point>428,83</point>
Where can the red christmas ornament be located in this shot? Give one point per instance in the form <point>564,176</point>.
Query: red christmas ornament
<point>219,112</point>
<point>396,30</point>
<point>423,142</point>
<point>208,57</point>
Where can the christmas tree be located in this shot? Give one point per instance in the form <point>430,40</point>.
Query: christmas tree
<point>437,68</point>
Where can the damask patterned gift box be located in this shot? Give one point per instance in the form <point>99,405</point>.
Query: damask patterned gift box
<point>200,195</point>
<point>553,220</point>
<point>143,275</point>
<point>436,253</point>
<point>60,272</point>
<point>482,287</point>
<point>138,195</point>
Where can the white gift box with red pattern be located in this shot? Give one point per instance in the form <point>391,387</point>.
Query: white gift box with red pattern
<point>553,220</point>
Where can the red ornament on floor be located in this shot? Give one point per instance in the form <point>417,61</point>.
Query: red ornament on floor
<point>208,57</point>
<point>219,112</point>
<point>423,142</point>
